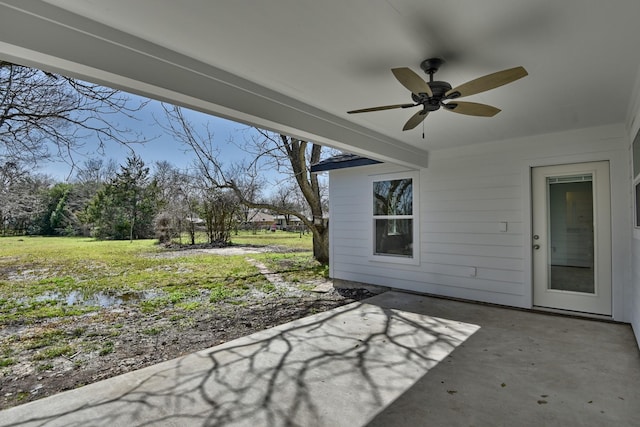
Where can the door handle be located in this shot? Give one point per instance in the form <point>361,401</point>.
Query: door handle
<point>536,247</point>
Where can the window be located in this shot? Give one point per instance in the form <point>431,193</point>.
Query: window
<point>394,225</point>
<point>635,153</point>
<point>638,205</point>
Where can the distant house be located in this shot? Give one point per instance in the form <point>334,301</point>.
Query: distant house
<point>194,219</point>
<point>283,224</point>
<point>258,219</point>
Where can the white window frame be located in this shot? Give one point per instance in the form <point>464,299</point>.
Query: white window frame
<point>396,259</point>
<point>635,172</point>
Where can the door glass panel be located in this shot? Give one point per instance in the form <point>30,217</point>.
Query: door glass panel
<point>571,243</point>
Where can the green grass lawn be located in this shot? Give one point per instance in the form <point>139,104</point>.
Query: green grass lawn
<point>45,277</point>
<point>292,240</point>
<point>87,305</point>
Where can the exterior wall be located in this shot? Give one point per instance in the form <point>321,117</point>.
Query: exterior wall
<point>465,195</point>
<point>634,294</point>
<point>634,291</point>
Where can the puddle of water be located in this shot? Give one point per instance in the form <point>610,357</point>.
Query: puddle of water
<point>100,299</point>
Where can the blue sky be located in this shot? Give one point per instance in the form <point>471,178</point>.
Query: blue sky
<point>161,146</point>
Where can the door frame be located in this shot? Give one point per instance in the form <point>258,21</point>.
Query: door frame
<point>605,190</point>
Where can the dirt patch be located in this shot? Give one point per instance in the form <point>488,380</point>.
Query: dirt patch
<point>175,251</point>
<point>59,354</point>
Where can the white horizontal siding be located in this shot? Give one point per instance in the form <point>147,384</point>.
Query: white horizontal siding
<point>497,192</point>
<point>349,234</point>
<point>443,181</point>
<point>632,296</point>
<point>472,250</point>
<point>502,239</point>
<point>450,275</point>
<point>487,227</point>
<point>465,195</point>
<point>514,215</point>
<point>480,261</point>
<point>466,205</point>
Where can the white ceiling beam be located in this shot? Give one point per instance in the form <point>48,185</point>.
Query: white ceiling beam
<point>38,34</point>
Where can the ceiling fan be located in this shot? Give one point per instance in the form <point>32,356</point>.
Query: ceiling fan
<point>432,95</point>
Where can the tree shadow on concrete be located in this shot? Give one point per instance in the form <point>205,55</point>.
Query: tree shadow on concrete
<point>340,367</point>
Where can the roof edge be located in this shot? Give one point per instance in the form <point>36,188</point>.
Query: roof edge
<point>342,161</point>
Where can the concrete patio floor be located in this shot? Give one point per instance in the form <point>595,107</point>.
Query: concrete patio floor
<point>396,359</point>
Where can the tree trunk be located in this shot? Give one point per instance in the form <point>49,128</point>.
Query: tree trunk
<point>321,243</point>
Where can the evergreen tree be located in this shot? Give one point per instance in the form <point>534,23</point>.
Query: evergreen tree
<point>126,206</point>
<point>56,216</point>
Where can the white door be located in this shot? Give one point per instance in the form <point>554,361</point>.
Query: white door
<point>571,237</point>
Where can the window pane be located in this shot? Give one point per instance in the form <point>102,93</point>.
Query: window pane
<point>636,155</point>
<point>571,264</point>
<point>393,197</point>
<point>394,237</point>
<point>638,204</point>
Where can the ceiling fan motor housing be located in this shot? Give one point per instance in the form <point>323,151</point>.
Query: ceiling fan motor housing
<point>432,103</point>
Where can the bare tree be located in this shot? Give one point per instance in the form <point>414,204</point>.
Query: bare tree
<point>293,158</point>
<point>219,209</point>
<point>178,198</point>
<point>41,111</point>
<point>250,184</point>
<point>21,198</point>
<point>96,171</point>
<point>287,196</point>
<point>270,151</point>
<point>11,175</point>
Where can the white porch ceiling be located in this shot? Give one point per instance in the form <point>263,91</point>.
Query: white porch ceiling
<point>297,66</point>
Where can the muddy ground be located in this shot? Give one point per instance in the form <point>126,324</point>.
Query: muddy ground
<point>122,338</point>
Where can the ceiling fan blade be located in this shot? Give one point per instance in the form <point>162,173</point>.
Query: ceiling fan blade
<point>490,81</point>
<point>409,79</point>
<point>415,120</point>
<point>383,107</point>
<point>471,108</point>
